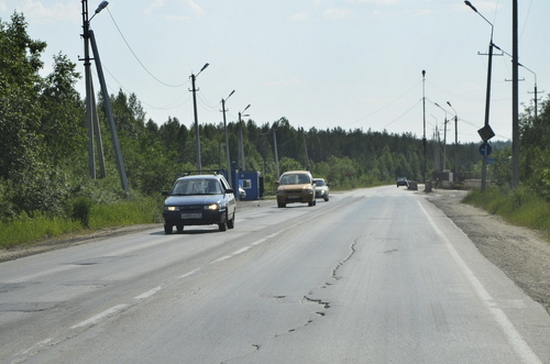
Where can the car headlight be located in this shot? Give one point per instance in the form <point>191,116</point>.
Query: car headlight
<point>170,208</point>
<point>280,192</point>
<point>212,207</point>
<point>308,190</point>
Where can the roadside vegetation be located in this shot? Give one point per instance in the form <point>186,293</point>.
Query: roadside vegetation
<point>521,207</point>
<point>46,190</point>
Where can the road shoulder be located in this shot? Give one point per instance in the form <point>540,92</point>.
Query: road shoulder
<point>522,254</point>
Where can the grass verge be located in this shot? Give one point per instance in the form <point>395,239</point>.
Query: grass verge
<point>28,231</point>
<point>520,207</point>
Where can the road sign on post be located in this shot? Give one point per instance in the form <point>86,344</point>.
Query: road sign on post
<point>485,149</point>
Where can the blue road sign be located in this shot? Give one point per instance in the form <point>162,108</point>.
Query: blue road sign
<point>485,149</point>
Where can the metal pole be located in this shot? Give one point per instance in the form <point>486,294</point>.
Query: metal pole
<point>515,96</point>
<point>110,119</point>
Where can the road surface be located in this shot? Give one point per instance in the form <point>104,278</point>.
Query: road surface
<point>373,276</point>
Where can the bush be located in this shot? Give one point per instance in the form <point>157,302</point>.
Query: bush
<point>80,210</point>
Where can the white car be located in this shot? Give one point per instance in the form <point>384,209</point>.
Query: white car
<point>321,188</point>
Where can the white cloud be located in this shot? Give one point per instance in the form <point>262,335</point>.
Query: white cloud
<point>195,7</point>
<point>155,5</point>
<point>160,4</point>
<point>39,13</point>
<point>302,16</point>
<point>337,13</point>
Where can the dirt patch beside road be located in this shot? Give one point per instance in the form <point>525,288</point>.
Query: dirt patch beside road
<point>521,253</point>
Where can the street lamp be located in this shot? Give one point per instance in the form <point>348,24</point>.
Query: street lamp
<point>228,158</point>
<point>427,187</point>
<point>444,137</point>
<point>275,146</point>
<point>528,69</point>
<point>241,140</point>
<point>197,137</point>
<point>486,132</point>
<point>89,37</point>
<point>456,140</point>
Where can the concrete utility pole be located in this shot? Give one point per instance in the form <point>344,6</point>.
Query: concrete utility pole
<point>276,151</point>
<point>110,118</point>
<point>197,136</point>
<point>228,158</point>
<point>486,132</point>
<point>89,90</point>
<point>424,141</point>
<point>456,141</point>
<point>91,112</point>
<point>241,138</point>
<point>515,96</point>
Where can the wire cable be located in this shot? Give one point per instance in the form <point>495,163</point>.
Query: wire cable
<point>137,58</point>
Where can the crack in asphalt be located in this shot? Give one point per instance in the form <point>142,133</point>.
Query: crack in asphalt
<point>307,298</point>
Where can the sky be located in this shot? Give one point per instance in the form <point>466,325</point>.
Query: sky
<point>324,64</point>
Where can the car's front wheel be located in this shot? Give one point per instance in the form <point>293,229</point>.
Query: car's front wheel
<point>222,226</point>
<point>167,229</point>
<point>231,223</point>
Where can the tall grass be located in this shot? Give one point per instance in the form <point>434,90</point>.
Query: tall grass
<point>520,206</point>
<point>26,231</point>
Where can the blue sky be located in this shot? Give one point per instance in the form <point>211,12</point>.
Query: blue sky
<point>319,63</point>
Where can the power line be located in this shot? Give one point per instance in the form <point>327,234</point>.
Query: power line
<point>137,58</point>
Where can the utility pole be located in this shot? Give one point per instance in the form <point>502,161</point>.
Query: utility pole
<point>308,166</point>
<point>424,141</point>
<point>241,138</point>
<point>515,96</point>
<point>110,118</point>
<point>276,151</point>
<point>197,136</point>
<point>228,158</point>
<point>89,90</point>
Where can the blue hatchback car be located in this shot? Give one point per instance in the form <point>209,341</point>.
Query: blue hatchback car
<point>199,200</point>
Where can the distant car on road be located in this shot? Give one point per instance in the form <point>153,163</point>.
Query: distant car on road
<point>199,200</point>
<point>402,181</point>
<point>321,188</point>
<point>295,186</point>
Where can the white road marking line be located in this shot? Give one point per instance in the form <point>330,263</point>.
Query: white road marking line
<point>149,293</point>
<point>97,318</point>
<point>116,309</point>
<point>242,250</point>
<point>519,345</point>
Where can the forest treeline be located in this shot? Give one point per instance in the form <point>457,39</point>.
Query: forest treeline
<point>44,143</point>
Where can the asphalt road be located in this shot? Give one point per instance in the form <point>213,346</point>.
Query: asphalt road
<point>372,276</point>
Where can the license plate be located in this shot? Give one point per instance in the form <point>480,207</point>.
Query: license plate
<point>192,215</point>
<point>293,197</point>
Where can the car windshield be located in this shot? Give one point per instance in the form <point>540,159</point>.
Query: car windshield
<point>294,179</point>
<point>197,187</point>
<point>319,182</point>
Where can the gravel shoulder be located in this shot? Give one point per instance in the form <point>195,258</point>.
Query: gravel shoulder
<point>523,254</point>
